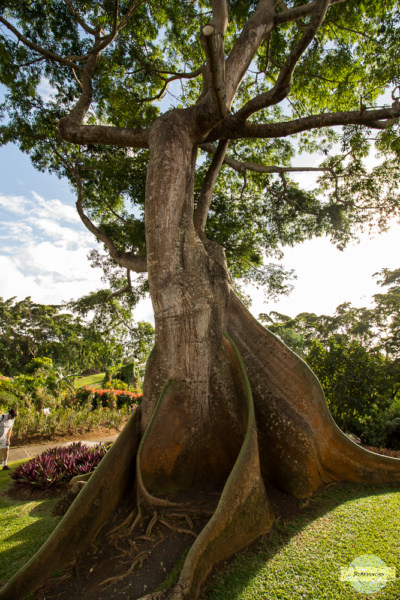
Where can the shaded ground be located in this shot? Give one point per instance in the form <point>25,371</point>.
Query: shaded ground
<point>123,564</point>
<point>126,564</point>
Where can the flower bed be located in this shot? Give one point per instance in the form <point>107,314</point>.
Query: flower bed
<point>106,398</point>
<point>59,465</point>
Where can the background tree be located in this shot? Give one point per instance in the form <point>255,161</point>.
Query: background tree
<point>258,82</point>
<point>354,353</point>
<point>96,335</point>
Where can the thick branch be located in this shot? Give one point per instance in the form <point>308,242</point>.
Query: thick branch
<point>213,45</point>
<point>102,134</point>
<point>129,260</point>
<point>299,12</point>
<point>252,35</point>
<point>232,128</point>
<point>244,165</point>
<point>220,15</point>
<point>213,42</point>
<point>282,86</point>
<point>204,203</point>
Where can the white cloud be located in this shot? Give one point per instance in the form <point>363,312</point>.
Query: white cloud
<point>54,209</point>
<point>44,250</point>
<point>14,204</point>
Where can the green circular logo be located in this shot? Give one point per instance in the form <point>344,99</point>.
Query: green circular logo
<point>368,574</point>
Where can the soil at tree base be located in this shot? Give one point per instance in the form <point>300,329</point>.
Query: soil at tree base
<point>112,557</point>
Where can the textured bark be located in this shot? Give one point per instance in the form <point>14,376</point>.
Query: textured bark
<point>190,292</point>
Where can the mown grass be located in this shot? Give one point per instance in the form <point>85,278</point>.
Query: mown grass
<point>94,381</point>
<point>301,559</point>
<point>24,526</point>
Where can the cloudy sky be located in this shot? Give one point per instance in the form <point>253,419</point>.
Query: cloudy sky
<point>44,248</point>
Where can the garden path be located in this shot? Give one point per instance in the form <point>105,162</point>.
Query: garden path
<point>29,451</point>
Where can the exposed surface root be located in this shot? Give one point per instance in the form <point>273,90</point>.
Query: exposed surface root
<point>131,565</point>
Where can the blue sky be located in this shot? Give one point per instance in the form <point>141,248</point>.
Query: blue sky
<point>44,247</point>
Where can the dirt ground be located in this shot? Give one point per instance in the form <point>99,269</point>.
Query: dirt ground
<point>124,564</point>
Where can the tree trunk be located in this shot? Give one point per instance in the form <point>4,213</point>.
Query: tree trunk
<point>189,286</point>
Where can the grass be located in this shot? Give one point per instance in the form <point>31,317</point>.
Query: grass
<point>301,559</point>
<point>24,526</point>
<point>94,381</point>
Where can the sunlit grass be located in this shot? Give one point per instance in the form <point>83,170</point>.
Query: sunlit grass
<point>301,559</point>
<point>24,526</point>
<point>94,381</point>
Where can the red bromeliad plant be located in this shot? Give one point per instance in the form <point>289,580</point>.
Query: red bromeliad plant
<point>58,465</point>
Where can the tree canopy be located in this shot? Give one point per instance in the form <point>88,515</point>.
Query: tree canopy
<point>180,126</point>
<point>320,79</point>
<point>94,336</point>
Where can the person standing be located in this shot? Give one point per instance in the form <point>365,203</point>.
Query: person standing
<point>6,425</point>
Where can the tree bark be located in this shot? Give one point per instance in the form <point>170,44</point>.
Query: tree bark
<point>189,286</point>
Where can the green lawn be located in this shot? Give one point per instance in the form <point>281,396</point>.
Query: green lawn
<point>94,381</point>
<point>24,526</point>
<point>301,559</point>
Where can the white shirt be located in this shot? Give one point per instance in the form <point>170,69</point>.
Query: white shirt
<point>6,423</point>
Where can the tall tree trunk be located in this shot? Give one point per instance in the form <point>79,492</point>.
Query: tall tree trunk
<point>190,292</point>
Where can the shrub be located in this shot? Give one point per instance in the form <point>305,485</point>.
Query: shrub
<point>106,398</point>
<point>58,465</point>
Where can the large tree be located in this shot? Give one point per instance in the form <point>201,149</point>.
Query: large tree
<point>251,85</point>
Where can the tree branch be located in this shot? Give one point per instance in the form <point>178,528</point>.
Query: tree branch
<point>232,128</point>
<point>173,77</point>
<point>252,35</point>
<point>124,21</point>
<point>282,85</point>
<point>204,203</point>
<point>299,12</point>
<point>245,165</point>
<point>212,40</point>
<point>121,137</point>
<point>123,290</point>
<point>79,19</point>
<point>43,51</point>
<point>129,260</point>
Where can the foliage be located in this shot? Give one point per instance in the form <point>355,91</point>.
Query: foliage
<point>347,66</point>
<point>65,420</point>
<point>58,465</point>
<point>44,339</point>
<point>32,333</point>
<point>355,354</point>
